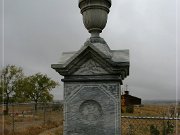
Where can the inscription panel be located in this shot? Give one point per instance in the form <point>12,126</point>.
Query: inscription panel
<point>91,109</point>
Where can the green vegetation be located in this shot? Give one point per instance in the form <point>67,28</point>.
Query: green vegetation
<point>36,88</point>
<point>16,87</point>
<point>129,109</point>
<point>168,128</point>
<point>9,78</point>
<point>154,130</point>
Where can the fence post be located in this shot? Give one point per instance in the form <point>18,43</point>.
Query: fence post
<point>44,113</point>
<point>13,122</point>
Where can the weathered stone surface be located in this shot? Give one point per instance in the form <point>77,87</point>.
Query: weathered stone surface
<point>90,68</point>
<point>120,56</point>
<point>92,108</point>
<point>92,79</point>
<point>112,61</point>
<point>95,13</point>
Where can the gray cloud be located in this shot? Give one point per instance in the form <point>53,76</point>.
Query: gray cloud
<point>37,32</point>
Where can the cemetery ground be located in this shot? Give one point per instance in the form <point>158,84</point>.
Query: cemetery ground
<point>48,120</point>
<point>24,120</point>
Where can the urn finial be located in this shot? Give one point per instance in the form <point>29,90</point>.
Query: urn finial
<point>95,13</point>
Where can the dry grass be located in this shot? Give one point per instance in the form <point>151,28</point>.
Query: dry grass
<point>31,127</point>
<point>33,124</point>
<point>142,126</point>
<point>33,130</point>
<point>152,110</point>
<point>30,123</point>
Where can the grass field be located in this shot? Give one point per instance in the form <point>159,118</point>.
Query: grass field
<point>155,110</point>
<point>138,126</point>
<point>25,121</point>
<point>50,122</point>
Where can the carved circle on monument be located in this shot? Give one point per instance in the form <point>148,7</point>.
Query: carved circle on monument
<point>90,111</point>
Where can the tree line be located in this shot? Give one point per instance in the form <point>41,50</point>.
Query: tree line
<point>16,87</point>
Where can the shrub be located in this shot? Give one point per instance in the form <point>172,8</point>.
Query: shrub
<point>57,107</point>
<point>168,129</point>
<point>130,109</point>
<point>154,130</point>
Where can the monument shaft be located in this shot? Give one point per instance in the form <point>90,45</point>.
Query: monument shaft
<point>92,108</point>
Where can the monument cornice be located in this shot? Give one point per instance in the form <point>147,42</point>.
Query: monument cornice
<point>104,60</point>
<point>94,78</point>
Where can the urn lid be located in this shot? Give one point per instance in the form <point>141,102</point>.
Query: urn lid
<point>97,0</point>
<point>84,0</point>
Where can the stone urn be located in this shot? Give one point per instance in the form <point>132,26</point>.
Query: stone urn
<point>95,13</point>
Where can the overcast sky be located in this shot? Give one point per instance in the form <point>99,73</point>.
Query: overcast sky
<point>36,32</point>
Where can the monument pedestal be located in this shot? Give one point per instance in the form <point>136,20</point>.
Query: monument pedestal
<point>92,80</point>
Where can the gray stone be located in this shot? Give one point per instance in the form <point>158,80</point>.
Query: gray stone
<point>92,109</point>
<point>95,14</point>
<point>92,78</point>
<point>112,61</point>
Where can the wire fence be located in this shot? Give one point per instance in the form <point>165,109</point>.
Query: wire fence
<point>23,119</point>
<point>132,125</point>
<point>151,120</point>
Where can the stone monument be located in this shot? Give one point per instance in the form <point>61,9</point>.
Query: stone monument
<point>92,78</point>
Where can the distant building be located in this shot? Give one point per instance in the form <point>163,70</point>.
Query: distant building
<point>128,101</point>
